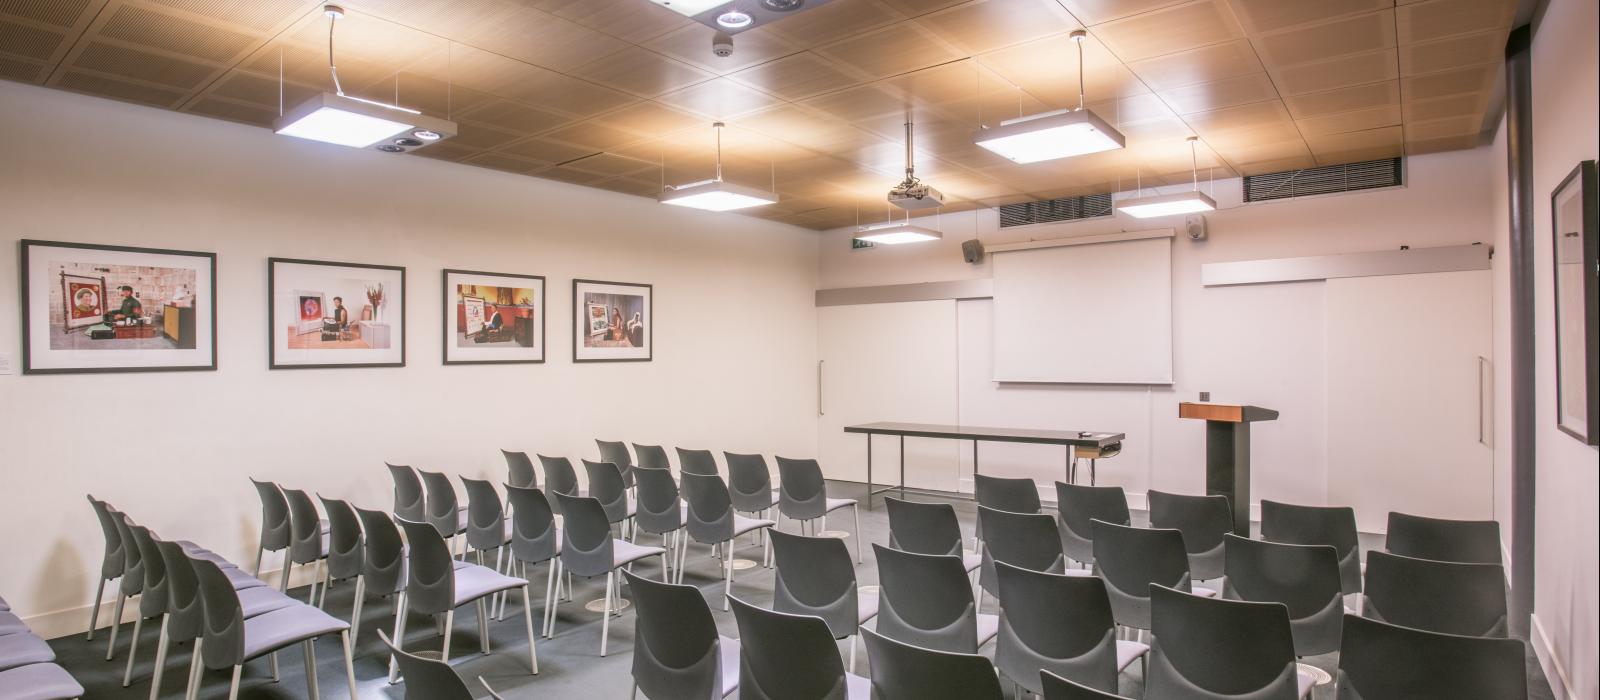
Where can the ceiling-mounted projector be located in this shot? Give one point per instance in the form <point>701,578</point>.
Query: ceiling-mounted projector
<point>913,194</point>
<point>734,16</point>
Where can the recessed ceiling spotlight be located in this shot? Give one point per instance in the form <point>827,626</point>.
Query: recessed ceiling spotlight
<point>734,19</point>
<point>782,5</point>
<point>390,148</point>
<point>408,143</point>
<point>426,135</point>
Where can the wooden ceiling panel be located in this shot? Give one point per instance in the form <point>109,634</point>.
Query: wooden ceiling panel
<point>719,98</point>
<point>136,25</point>
<point>234,111</point>
<point>867,106</point>
<point>612,165</point>
<point>985,25</point>
<point>1169,30</point>
<point>1439,145</point>
<point>1458,106</point>
<point>507,163</point>
<point>1333,149</point>
<point>796,77</point>
<point>540,149</point>
<point>1232,92</point>
<point>641,72</point>
<point>1277,165</point>
<point>512,116</point>
<point>60,13</point>
<point>78,81</point>
<point>544,40</point>
<point>139,65</point>
<point>1468,125</point>
<point>594,136</point>
<point>1048,69</point>
<point>901,48</point>
<point>570,176</point>
<point>1340,72</point>
<point>1093,12</point>
<point>1269,15</point>
<point>1264,152</point>
<point>22,71</point>
<point>1358,120</point>
<point>449,150</point>
<point>254,15</point>
<point>1454,52</point>
<point>914,8</point>
<point>1373,31</point>
<point>1203,65</point>
<point>1441,18</point>
<point>836,20</point>
<point>692,44</point>
<point>628,20</point>
<point>1460,81</point>
<point>649,119</point>
<point>30,42</point>
<point>1318,104</point>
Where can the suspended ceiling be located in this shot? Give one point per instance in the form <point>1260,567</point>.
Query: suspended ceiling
<point>619,94</point>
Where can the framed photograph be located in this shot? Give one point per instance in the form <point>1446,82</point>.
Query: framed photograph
<point>493,318</point>
<point>333,314</point>
<point>611,322</point>
<point>102,308</point>
<point>1575,225</point>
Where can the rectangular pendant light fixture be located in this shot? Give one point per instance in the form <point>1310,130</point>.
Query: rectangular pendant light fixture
<point>358,123</point>
<point>1167,204</point>
<point>896,234</point>
<point>717,195</point>
<point>1060,134</point>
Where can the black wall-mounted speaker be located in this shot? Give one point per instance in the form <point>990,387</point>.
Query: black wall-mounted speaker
<point>972,251</point>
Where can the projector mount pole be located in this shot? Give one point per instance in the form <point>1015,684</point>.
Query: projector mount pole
<point>718,127</point>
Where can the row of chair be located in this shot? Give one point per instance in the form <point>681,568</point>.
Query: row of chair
<point>27,663</point>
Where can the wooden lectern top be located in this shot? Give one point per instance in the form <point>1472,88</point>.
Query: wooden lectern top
<point>1225,413</point>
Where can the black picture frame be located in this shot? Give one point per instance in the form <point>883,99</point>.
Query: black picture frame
<point>26,247</point>
<point>650,326</point>
<point>272,312</point>
<point>1586,231</point>
<point>449,318</point>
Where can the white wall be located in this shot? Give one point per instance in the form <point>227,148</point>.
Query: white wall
<point>735,344</point>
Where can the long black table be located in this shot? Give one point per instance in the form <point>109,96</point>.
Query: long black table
<point>1097,444</point>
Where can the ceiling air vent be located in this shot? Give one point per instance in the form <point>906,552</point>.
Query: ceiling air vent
<point>1328,179</point>
<point>1046,211</point>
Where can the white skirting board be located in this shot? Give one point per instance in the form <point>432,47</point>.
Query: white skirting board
<point>1560,686</point>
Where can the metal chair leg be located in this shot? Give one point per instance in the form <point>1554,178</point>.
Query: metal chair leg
<point>94,612</point>
<point>605,625</point>
<point>527,619</point>
<point>449,627</point>
<point>133,651</point>
<point>856,510</point>
<point>349,664</point>
<point>399,634</point>
<point>310,652</point>
<point>161,659</point>
<point>116,624</point>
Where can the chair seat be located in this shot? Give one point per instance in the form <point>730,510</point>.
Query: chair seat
<point>866,607</point>
<point>624,552</point>
<point>1128,652</point>
<point>275,630</point>
<point>730,664</point>
<point>833,504</point>
<point>4,606</point>
<point>971,560</point>
<point>23,649</point>
<point>743,525</point>
<point>1203,592</point>
<point>241,580</point>
<point>988,627</point>
<point>474,582</point>
<point>11,624</point>
<point>262,600</point>
<point>857,687</point>
<point>1304,682</point>
<point>38,682</point>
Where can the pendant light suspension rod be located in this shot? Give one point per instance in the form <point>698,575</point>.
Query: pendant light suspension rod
<point>1194,163</point>
<point>334,12</point>
<point>1078,35</point>
<point>718,127</point>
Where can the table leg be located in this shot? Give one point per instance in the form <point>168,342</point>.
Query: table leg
<point>902,466</point>
<point>869,471</point>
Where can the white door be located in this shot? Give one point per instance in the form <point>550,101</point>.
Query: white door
<point>887,362</point>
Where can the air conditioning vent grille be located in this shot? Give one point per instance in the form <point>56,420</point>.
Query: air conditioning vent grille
<point>1046,211</point>
<point>1366,175</point>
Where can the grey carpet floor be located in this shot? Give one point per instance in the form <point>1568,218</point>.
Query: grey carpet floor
<point>570,665</point>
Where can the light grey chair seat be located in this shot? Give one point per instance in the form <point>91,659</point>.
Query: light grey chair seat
<point>280,628</point>
<point>624,552</point>
<point>1303,683</point>
<point>474,582</point>
<point>745,526</point>
<point>833,504</point>
<point>11,624</point>
<point>239,579</point>
<point>4,606</point>
<point>261,600</point>
<point>729,650</point>
<point>971,560</point>
<point>23,649</point>
<point>1129,652</point>
<point>988,627</point>
<point>38,682</point>
<point>866,606</point>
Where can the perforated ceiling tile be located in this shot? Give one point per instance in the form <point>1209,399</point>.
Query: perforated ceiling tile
<point>29,42</point>
<point>159,30</point>
<point>1245,89</point>
<point>117,89</point>
<point>1369,32</point>
<point>479,136</point>
<point>641,72</point>
<point>139,65</point>
<point>897,49</point>
<point>22,71</point>
<point>507,163</point>
<point>629,20</point>
<point>1169,30</point>
<point>1358,120</point>
<point>649,119</point>
<point>61,13</point>
<point>1440,128</point>
<point>543,150</point>
<point>797,77</point>
<point>692,44</point>
<point>1441,18</point>
<point>1269,15</point>
<point>1354,147</point>
<point>545,40</point>
<point>1445,143</point>
<point>1094,12</point>
<point>1454,52</point>
<point>1470,104</point>
<point>511,116</point>
<point>986,25</point>
<point>1202,65</point>
<point>1346,71</point>
<point>570,175</point>
<point>1317,104</point>
<point>611,165</point>
<point>234,111</point>
<point>835,20</point>
<point>1447,83</point>
<point>594,136</point>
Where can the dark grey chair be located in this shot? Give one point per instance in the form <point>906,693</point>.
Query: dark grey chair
<point>816,577</point>
<point>925,601</point>
<point>803,496</point>
<point>383,564</point>
<point>431,678</point>
<point>346,545</point>
<point>617,453</point>
<point>659,508</point>
<point>444,511</point>
<point>1058,688</point>
<point>1077,505</point>
<point>1380,661</point>
<point>42,681</point>
<point>1334,526</point>
<point>1061,624</point>
<point>1001,493</point>
<point>1466,541</point>
<point>436,585</point>
<point>487,527</point>
<point>559,477</point>
<point>1212,649</point>
<point>131,581</point>
<point>903,671</point>
<point>519,470</point>
<point>229,639</point>
<point>111,561</point>
<point>589,550</point>
<point>696,461</point>
<point>534,540</point>
<point>1130,559</point>
<point>184,620</point>
<point>606,484</point>
<point>677,652</point>
<point>928,528</point>
<point>1203,520</point>
<point>1029,540</point>
<point>1304,578</point>
<point>750,484</point>
<point>153,597</point>
<point>712,521</point>
<point>410,502</point>
<point>650,457</point>
<point>1436,596</point>
<point>790,657</point>
<point>308,544</point>
<point>275,532</point>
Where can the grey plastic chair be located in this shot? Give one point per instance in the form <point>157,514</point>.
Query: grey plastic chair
<point>436,585</point>
<point>130,583</point>
<point>43,681</point>
<point>816,577</point>
<point>229,639</point>
<point>1058,688</point>
<point>712,521</point>
<point>519,470</point>
<point>1061,624</point>
<point>410,502</point>
<point>659,510</point>
<point>589,550</point>
<point>750,484</point>
<point>431,678</point>
<point>928,528</point>
<point>1029,540</point>
<point>1436,596</point>
<point>383,564</point>
<point>695,461</point>
<point>111,562</point>
<point>487,527</point>
<point>1203,520</point>
<point>308,544</point>
<point>184,620</point>
<point>617,453</point>
<point>444,510</point>
<point>791,657</point>
<point>1130,559</point>
<point>275,532</point>
<point>1334,526</point>
<point>803,496</point>
<point>1000,493</point>
<point>1212,649</point>
<point>926,601</point>
<point>153,597</point>
<point>346,544</point>
<point>651,457</point>
<point>559,477</point>
<point>1077,505</point>
<point>1304,578</point>
<point>534,539</point>
<point>677,652</point>
<point>1380,661</point>
<point>606,484</point>
<point>903,671</point>
<point>1467,541</point>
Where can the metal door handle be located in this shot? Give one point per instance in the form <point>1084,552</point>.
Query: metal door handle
<point>820,410</point>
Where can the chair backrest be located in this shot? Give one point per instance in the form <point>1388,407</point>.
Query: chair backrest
<point>154,597</point>
<point>1203,520</point>
<point>533,525</point>
<point>383,565</point>
<point>1334,526</point>
<point>1001,493</point>
<point>223,629</point>
<point>427,678</point>
<point>658,510</point>
<point>786,657</point>
<point>903,671</point>
<point>1209,648</point>
<point>802,494</point>
<point>607,486</point>
<point>346,548</point>
<point>410,503</point>
<point>559,477</point>
<point>651,457</point>
<point>132,573</point>
<point>1057,623</point>
<point>749,482</point>
<point>696,461</point>
<point>710,508</point>
<point>519,470</point>
<point>486,515</point>
<point>617,453</point>
<point>1058,688</point>
<point>926,600</point>
<point>430,570</point>
<point>1077,505</point>
<point>586,545</point>
<point>1132,558</point>
<point>444,510</point>
<point>111,561</point>
<point>1468,541</point>
<point>1380,661</point>
<point>676,652</point>
<point>816,576</point>
<point>275,533</point>
<point>1029,540</point>
<point>924,528</point>
<point>1436,596</point>
<point>305,528</point>
<point>1304,577</point>
<point>185,611</point>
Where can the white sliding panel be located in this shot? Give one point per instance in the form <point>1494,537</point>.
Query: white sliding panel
<point>887,362</point>
<point>1403,395</point>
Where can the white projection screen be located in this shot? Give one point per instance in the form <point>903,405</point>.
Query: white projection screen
<point>1098,313</point>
